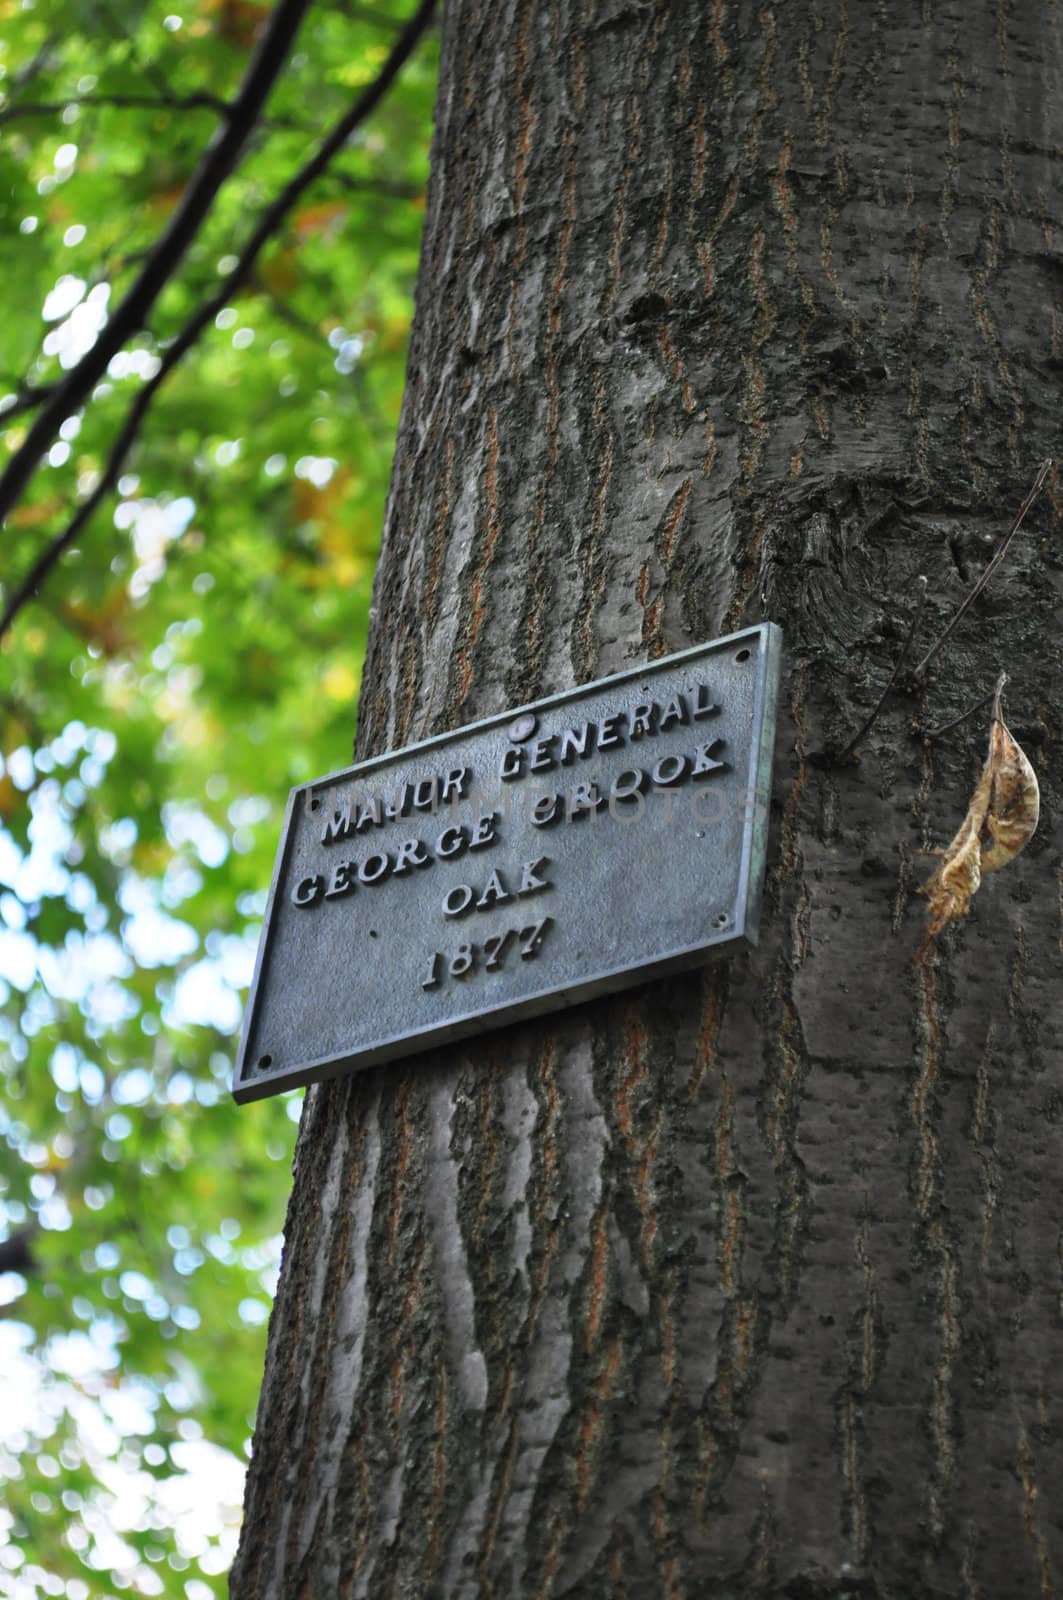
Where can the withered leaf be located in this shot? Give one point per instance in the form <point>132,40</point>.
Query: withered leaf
<point>1000,821</point>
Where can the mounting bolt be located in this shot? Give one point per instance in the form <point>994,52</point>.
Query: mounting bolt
<point>522,728</point>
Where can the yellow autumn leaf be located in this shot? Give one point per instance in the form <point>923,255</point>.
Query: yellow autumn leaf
<point>1000,821</point>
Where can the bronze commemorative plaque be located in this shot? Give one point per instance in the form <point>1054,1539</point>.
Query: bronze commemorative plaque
<point>558,851</point>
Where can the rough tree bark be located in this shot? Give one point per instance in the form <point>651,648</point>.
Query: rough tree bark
<point>748,1283</point>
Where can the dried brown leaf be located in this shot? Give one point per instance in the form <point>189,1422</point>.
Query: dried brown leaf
<point>1000,821</point>
<point>1015,803</point>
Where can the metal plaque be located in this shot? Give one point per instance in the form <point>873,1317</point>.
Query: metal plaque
<point>568,848</point>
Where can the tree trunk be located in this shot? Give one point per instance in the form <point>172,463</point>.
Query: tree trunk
<point>747,1283</point>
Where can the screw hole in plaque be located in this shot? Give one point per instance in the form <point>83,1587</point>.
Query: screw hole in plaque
<point>720,920</point>
<point>373,934</point>
<point>742,655</point>
<point>264,1062</point>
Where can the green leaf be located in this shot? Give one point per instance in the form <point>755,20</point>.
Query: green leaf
<point>195,654</point>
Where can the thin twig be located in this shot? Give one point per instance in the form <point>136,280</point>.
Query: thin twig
<point>285,313</point>
<point>1042,474</point>
<point>994,695</point>
<point>119,30</point>
<point>199,100</point>
<point>374,14</point>
<point>25,399</point>
<point>268,223</point>
<point>16,1251</point>
<point>37,64</point>
<point>218,162</point>
<point>392,188</point>
<point>902,654</point>
<point>19,712</point>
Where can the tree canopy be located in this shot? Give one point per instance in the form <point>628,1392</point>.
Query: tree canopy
<point>208,242</point>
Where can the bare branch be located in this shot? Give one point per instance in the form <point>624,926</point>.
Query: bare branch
<point>119,29</point>
<point>285,313</point>
<point>16,1251</point>
<point>166,254</point>
<point>200,100</point>
<point>26,398</point>
<point>994,695</point>
<point>18,711</point>
<point>363,13</point>
<point>1042,474</point>
<point>268,224</point>
<point>906,644</point>
<point>390,188</point>
<point>36,65</point>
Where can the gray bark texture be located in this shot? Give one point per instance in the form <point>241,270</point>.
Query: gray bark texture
<point>748,1283</point>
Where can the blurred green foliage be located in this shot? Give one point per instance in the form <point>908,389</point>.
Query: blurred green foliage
<point>196,654</point>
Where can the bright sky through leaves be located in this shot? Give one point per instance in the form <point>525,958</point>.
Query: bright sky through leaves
<point>196,651</point>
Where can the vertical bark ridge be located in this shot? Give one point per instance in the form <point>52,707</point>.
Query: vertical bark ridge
<point>746,1283</point>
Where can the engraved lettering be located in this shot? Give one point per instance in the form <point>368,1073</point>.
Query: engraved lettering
<point>451,842</point>
<point>402,807</point>
<point>368,814</point>
<point>342,880</point>
<point>530,882</point>
<point>610,732</point>
<point>457,901</point>
<point>495,948</point>
<point>483,832</point>
<point>583,801</point>
<point>375,868</point>
<point>495,894</point>
<point>464,961</point>
<point>643,720</point>
<point>456,785</point>
<point>670,770</point>
<point>630,785</point>
<point>450,949</point>
<point>675,711</point>
<point>704,761</point>
<point>411,854</point>
<point>546,811</point>
<point>512,764</point>
<point>338,826</point>
<point>575,742</point>
<point>425,792</point>
<point>533,938</point>
<point>703,705</point>
<point>539,757</point>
